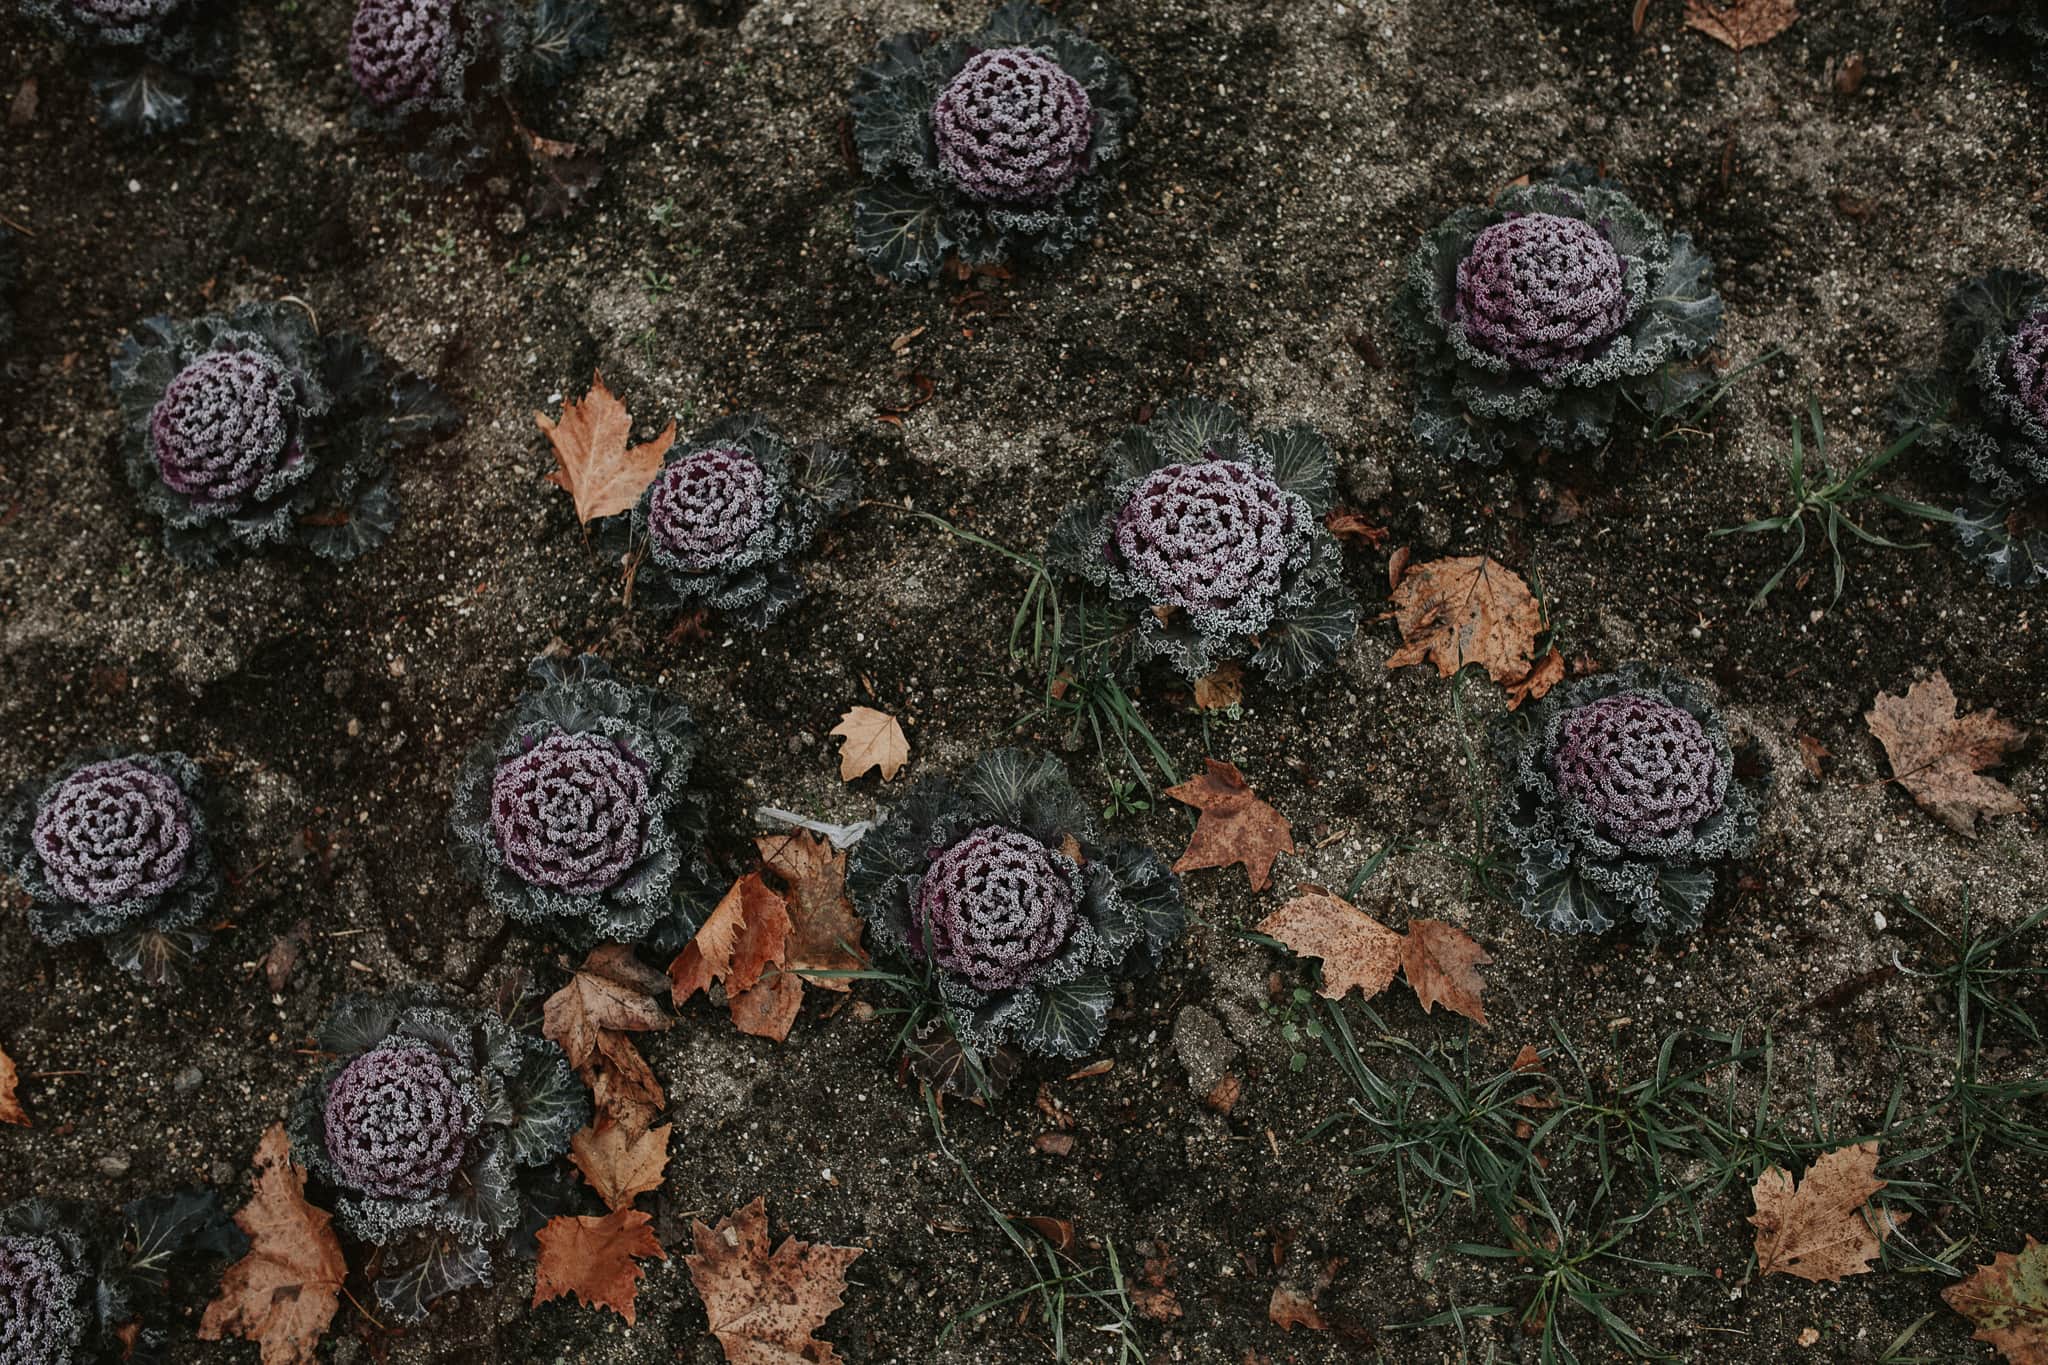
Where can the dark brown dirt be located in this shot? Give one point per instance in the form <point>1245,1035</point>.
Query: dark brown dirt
<point>1290,155</point>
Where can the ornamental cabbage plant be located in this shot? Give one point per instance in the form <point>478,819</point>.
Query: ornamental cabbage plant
<point>1986,410</point>
<point>1530,323</point>
<point>251,429</point>
<point>143,56</point>
<point>446,78</point>
<point>1621,796</point>
<point>576,816</point>
<point>998,891</point>
<point>999,144</point>
<point>728,515</point>
<point>113,847</point>
<point>1206,544</point>
<point>2015,24</point>
<point>428,1129</point>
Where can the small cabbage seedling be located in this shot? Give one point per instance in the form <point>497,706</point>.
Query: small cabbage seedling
<point>252,429</point>
<point>1621,796</point>
<point>1205,545</point>
<point>1000,144</point>
<point>143,57</point>
<point>113,847</point>
<point>426,1129</point>
<point>576,816</point>
<point>724,522</point>
<point>998,891</point>
<point>1986,410</point>
<point>1532,322</point>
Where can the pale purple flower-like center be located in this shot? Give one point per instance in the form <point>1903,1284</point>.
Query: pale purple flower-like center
<point>2027,357</point>
<point>113,831</point>
<point>1541,291</point>
<point>399,50</point>
<point>223,425</point>
<point>993,907</point>
<point>1642,768</point>
<point>570,812</point>
<point>1207,537</point>
<point>397,1123</point>
<point>40,1321</point>
<point>113,14</point>
<point>706,505</point>
<point>1013,127</point>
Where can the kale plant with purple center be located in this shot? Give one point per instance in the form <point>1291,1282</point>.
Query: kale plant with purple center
<point>723,523</point>
<point>1533,322</point>
<point>576,816</point>
<point>997,145</point>
<point>430,1130</point>
<point>251,429</point>
<point>80,1285</point>
<point>113,847</point>
<point>1017,916</point>
<point>2017,26</point>
<point>143,57</point>
<point>1206,544</point>
<point>1621,795</point>
<point>448,79</point>
<point>1986,409</point>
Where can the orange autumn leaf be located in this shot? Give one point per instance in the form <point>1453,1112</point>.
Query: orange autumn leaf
<point>1289,1308</point>
<point>1442,962</point>
<point>618,1164</point>
<point>612,997</point>
<point>1356,949</point>
<point>1741,24</point>
<point>1235,825</point>
<point>1939,756</point>
<point>2007,1302</point>
<point>1473,609</point>
<point>593,461</point>
<point>596,1259</point>
<point>10,1103</point>
<point>765,1308</point>
<point>1222,689</point>
<point>283,1294</point>
<point>744,946</point>
<point>1822,1228</point>
<point>870,739</point>
<point>825,929</point>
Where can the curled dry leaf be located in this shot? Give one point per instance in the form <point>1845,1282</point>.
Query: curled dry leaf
<point>743,946</point>
<point>612,996</point>
<point>1235,825</point>
<point>596,1259</point>
<point>2007,1302</point>
<point>283,1294</point>
<point>1442,963</point>
<point>1356,949</point>
<point>766,1308</point>
<point>1289,1308</point>
<point>825,929</point>
<point>1939,756</point>
<point>1741,24</point>
<point>1472,609</point>
<point>1821,1229</point>
<point>10,1102</point>
<point>619,1165</point>
<point>1221,690</point>
<point>593,461</point>
<point>870,739</point>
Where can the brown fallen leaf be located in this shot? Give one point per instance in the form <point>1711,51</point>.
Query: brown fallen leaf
<point>870,739</point>
<point>595,1258</point>
<point>619,1165</point>
<point>612,997</point>
<point>1153,1296</point>
<point>1346,525</point>
<point>10,1103</point>
<point>1939,757</point>
<point>1442,963</point>
<point>1356,949</point>
<point>1222,689</point>
<point>1546,673</point>
<point>1741,24</point>
<point>1821,1229</point>
<point>601,472</point>
<point>1289,1308</point>
<point>283,1294</point>
<point>743,946</point>
<point>765,1308</point>
<point>1471,609</point>
<point>825,929</point>
<point>1529,1062</point>
<point>2007,1302</point>
<point>1813,756</point>
<point>1235,825</point>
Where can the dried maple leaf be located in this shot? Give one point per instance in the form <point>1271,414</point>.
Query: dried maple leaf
<point>283,1294</point>
<point>1356,949</point>
<point>2007,1302</point>
<point>1741,24</point>
<point>1442,963</point>
<point>619,1165</point>
<point>825,929</point>
<point>10,1103</point>
<point>1471,609</point>
<point>1939,756</point>
<point>1222,689</point>
<point>872,739</point>
<point>1819,1230</point>
<point>1547,673</point>
<point>611,997</point>
<point>764,1308</point>
<point>593,462</point>
<point>1289,1308</point>
<point>596,1259</point>
<point>1235,825</point>
<point>743,946</point>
